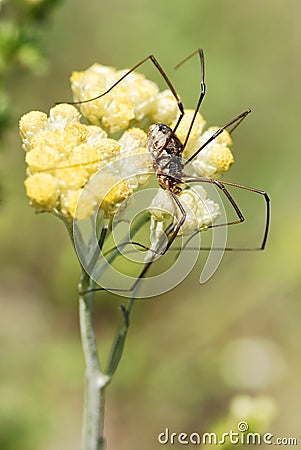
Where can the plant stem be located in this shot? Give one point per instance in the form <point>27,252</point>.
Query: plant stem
<point>96,381</point>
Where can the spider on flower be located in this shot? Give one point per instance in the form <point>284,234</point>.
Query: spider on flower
<point>175,141</point>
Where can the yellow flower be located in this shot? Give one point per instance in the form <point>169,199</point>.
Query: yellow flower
<point>62,155</point>
<point>216,157</point>
<point>30,124</point>
<point>135,163</point>
<point>221,157</point>
<point>62,115</point>
<point>132,139</point>
<point>75,168</point>
<point>200,211</point>
<point>108,191</point>
<point>165,108</point>
<point>104,190</point>
<point>42,189</point>
<point>43,157</point>
<point>131,99</point>
<point>77,204</point>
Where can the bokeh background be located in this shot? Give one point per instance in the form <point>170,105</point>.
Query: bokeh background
<point>197,352</point>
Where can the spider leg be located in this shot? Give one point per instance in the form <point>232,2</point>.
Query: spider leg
<point>221,185</point>
<point>158,66</point>
<point>202,93</point>
<point>237,120</point>
<point>173,230</point>
<point>137,281</point>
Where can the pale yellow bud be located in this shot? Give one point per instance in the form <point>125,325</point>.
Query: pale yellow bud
<point>30,124</point>
<point>216,157</point>
<point>77,204</point>
<point>165,108</point>
<point>42,189</point>
<point>108,191</point>
<point>62,115</point>
<point>200,211</point>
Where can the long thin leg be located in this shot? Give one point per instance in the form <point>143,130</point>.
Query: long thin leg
<point>221,186</point>
<point>238,119</point>
<point>176,229</point>
<point>158,66</point>
<point>203,90</point>
<point>174,232</point>
<point>137,281</point>
<point>237,124</point>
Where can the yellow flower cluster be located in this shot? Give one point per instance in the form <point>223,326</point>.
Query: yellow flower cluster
<point>137,99</point>
<point>74,168</point>
<point>134,99</point>
<point>63,155</point>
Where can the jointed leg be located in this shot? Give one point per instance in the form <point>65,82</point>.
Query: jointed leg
<point>221,186</point>
<point>202,94</point>
<point>158,66</point>
<point>237,120</point>
<point>173,230</point>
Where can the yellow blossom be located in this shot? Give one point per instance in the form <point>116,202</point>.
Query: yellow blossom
<point>95,135</point>
<point>42,190</point>
<point>30,124</point>
<point>113,110</point>
<point>109,191</point>
<point>42,158</point>
<point>115,197</point>
<point>132,139</point>
<point>76,168</point>
<point>131,99</point>
<point>222,157</point>
<point>216,157</point>
<point>142,93</point>
<point>77,204</point>
<point>224,138</point>
<point>135,163</point>
<point>71,177</point>
<point>165,108</point>
<point>65,153</point>
<point>200,211</point>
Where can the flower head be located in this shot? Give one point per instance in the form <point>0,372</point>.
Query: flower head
<point>216,157</point>
<point>74,168</point>
<point>42,189</point>
<point>131,99</point>
<point>62,155</point>
<point>200,211</point>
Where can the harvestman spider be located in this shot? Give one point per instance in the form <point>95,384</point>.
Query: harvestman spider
<point>166,151</point>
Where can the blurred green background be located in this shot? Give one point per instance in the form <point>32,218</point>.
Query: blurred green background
<point>193,351</point>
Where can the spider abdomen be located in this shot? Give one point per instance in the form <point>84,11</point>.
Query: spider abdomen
<point>166,151</point>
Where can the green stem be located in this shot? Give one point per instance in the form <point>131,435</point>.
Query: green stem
<point>96,381</point>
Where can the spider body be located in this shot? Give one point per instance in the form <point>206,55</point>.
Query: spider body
<point>166,152</point>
